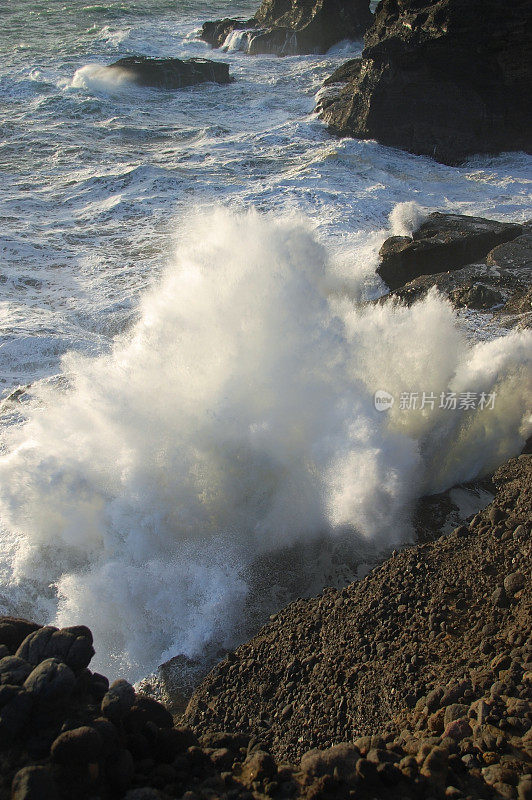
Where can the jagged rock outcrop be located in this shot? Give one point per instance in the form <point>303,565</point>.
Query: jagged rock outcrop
<point>443,242</point>
<point>287,28</point>
<point>478,263</point>
<point>443,78</point>
<point>171,73</point>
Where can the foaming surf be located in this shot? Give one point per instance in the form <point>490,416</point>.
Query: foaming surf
<point>95,78</point>
<point>405,218</point>
<point>158,497</point>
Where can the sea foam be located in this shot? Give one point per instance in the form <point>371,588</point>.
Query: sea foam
<point>234,421</point>
<point>95,78</point>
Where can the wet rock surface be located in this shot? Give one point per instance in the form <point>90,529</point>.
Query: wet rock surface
<point>460,256</point>
<point>303,26</point>
<point>171,73</point>
<point>439,79</point>
<point>444,242</point>
<point>415,682</point>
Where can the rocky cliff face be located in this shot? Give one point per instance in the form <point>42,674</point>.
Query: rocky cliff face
<point>301,26</point>
<point>447,79</point>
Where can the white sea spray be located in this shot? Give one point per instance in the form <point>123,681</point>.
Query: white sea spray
<point>235,420</point>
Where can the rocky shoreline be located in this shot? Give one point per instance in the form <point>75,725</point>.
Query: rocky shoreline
<point>414,682</point>
<point>303,26</point>
<point>478,263</point>
<point>445,79</point>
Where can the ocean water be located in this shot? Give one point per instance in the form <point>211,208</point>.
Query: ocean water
<point>193,438</point>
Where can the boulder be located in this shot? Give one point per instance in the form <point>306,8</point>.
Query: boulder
<point>14,671</point>
<point>15,709</point>
<point>13,631</point>
<point>498,281</point>
<point>171,73</point>
<point>302,26</point>
<point>34,783</point>
<point>439,78</point>
<point>109,736</point>
<point>146,709</point>
<point>476,295</point>
<point>444,242</point>
<point>73,646</point>
<point>51,682</point>
<point>118,700</point>
<point>120,771</point>
<point>516,254</point>
<point>341,757</point>
<point>80,745</point>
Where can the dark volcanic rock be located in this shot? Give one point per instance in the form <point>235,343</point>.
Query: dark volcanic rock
<point>302,26</point>
<point>172,73</point>
<point>444,242</point>
<point>495,278</point>
<point>14,630</point>
<point>72,645</point>
<point>443,78</point>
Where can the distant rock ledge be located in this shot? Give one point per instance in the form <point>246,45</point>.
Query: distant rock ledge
<point>281,28</point>
<point>445,78</point>
<point>171,73</point>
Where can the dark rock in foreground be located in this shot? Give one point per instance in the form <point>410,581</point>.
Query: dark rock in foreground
<point>443,242</point>
<point>446,79</point>
<point>303,26</point>
<point>172,73</point>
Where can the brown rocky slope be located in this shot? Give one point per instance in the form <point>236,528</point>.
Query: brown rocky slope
<point>434,629</point>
